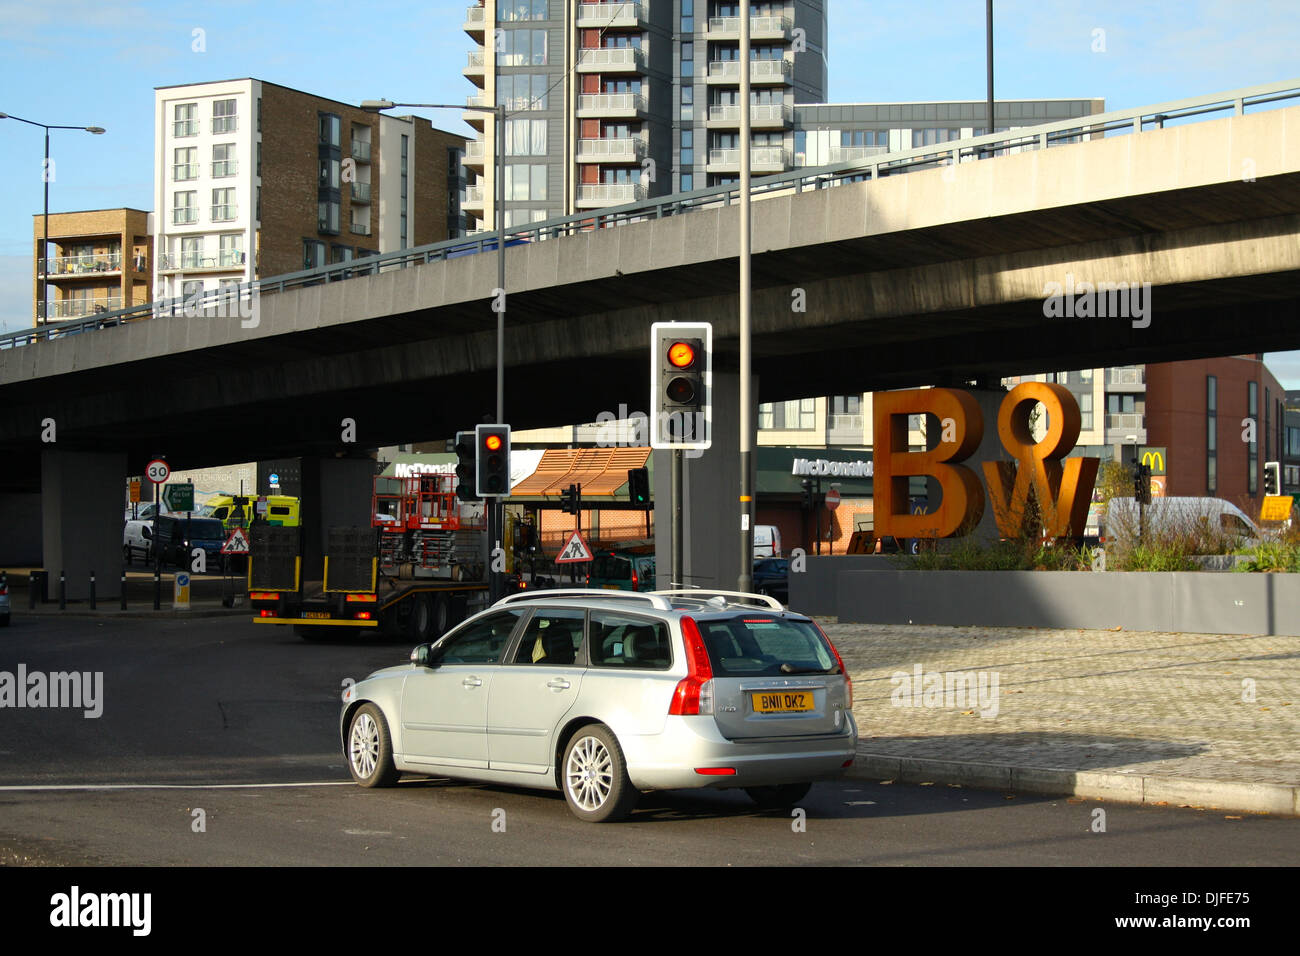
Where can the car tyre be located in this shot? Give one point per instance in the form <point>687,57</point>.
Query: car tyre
<point>370,748</point>
<point>780,797</point>
<point>126,554</point>
<point>594,776</point>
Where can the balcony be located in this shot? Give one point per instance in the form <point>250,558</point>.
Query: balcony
<point>474,68</point>
<point>183,128</point>
<point>474,154</point>
<point>847,154</point>
<point>360,229</point>
<point>475,197</point>
<point>1126,379</point>
<point>762,159</point>
<point>474,22</point>
<point>225,213</point>
<point>101,264</point>
<point>1127,420</point>
<point>224,168</point>
<point>761,116</point>
<point>760,28</point>
<point>631,149</point>
<point>225,260</point>
<point>760,71</point>
<point>611,105</point>
<point>76,308</point>
<point>610,15</point>
<point>185,215</point>
<point>844,429</point>
<point>185,171</point>
<point>361,151</point>
<point>476,117</point>
<point>617,60</point>
<point>597,195</point>
<point>361,192</point>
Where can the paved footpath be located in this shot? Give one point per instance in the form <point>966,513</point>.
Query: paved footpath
<point>1172,719</point>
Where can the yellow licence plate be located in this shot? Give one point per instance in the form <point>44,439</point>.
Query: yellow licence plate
<point>322,615</point>
<point>782,702</point>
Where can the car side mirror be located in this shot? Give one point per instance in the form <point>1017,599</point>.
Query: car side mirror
<point>426,656</point>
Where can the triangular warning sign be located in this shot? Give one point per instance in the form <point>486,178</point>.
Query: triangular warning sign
<point>237,543</point>
<point>575,550</point>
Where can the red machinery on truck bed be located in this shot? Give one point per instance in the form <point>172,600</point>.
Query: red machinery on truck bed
<point>415,572</point>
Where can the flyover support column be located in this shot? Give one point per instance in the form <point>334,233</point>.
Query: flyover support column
<point>83,497</point>
<point>20,517</point>
<point>335,494</point>
<point>709,517</point>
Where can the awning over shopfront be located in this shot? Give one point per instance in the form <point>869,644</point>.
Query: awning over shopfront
<point>602,472</point>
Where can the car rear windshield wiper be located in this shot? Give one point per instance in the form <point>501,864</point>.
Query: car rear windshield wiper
<point>789,669</point>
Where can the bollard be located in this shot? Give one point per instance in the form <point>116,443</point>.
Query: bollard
<point>123,590</point>
<point>92,590</point>
<point>31,591</point>
<point>157,588</point>
<point>63,591</point>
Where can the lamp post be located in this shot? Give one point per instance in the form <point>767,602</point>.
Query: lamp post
<point>41,278</point>
<point>495,510</point>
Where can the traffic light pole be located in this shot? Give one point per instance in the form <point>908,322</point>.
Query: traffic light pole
<point>746,578</point>
<point>678,548</point>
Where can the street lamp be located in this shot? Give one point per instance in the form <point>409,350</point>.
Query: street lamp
<point>495,509</point>
<point>41,277</point>
<point>498,195</point>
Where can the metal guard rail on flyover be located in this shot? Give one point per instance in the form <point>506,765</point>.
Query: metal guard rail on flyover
<point>1060,133</point>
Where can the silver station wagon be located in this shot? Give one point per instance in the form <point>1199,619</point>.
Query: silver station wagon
<point>606,694</point>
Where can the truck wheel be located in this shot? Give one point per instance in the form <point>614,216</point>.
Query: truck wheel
<point>419,623</point>
<point>441,616</point>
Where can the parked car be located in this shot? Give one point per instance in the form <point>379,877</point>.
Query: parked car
<point>772,576</point>
<point>622,570</point>
<point>767,541</point>
<point>137,539</point>
<point>4,604</point>
<point>175,537</point>
<point>605,694</point>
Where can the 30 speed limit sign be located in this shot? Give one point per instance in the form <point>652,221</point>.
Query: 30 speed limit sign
<point>157,471</point>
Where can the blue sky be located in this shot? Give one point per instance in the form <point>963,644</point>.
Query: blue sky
<point>97,63</point>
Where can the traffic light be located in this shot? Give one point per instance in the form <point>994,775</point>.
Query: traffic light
<point>492,443</point>
<point>571,499</point>
<point>681,380</point>
<point>638,486</point>
<point>1272,477</point>
<point>806,499</point>
<point>1142,484</point>
<point>465,467</point>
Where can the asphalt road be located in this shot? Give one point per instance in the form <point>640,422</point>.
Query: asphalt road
<point>239,721</point>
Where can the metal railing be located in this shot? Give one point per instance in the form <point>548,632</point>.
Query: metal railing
<point>611,58</point>
<point>760,114</point>
<point>842,154</point>
<point>759,157</point>
<point>611,103</point>
<point>1048,135</point>
<point>608,14</point>
<point>83,265</point>
<point>183,171</point>
<point>758,26</point>
<point>758,69</point>
<point>72,308</point>
<point>630,148</point>
<point>361,150</point>
<point>1125,376</point>
<point>225,124</point>
<point>183,215</point>
<point>606,193</point>
<point>182,128</point>
<point>181,261</point>
<point>475,61</point>
<point>361,192</point>
<point>474,15</point>
<point>1124,420</point>
<point>225,212</point>
<point>224,167</point>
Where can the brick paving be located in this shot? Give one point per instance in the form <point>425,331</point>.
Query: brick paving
<point>1127,701</point>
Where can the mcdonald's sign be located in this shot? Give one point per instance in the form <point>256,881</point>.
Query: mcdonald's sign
<point>1153,458</point>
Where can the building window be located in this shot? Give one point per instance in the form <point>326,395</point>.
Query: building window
<point>329,129</point>
<point>798,415</point>
<point>327,216</point>
<point>223,160</point>
<point>932,137</point>
<point>191,252</point>
<point>525,137</point>
<point>184,119</point>
<point>523,91</point>
<point>688,147</point>
<point>1212,435</point>
<point>223,205</point>
<point>1252,447</point>
<point>259,114</point>
<point>510,11</point>
<point>329,173</point>
<point>313,253</point>
<point>185,163</point>
<point>1085,410</point>
<point>688,102</point>
<point>259,157</point>
<point>688,16</point>
<point>522,48</point>
<point>231,251</point>
<point>688,182</point>
<point>688,59</point>
<point>525,182</point>
<point>405,157</point>
<point>223,116</point>
<point>185,208</point>
<point>340,253</point>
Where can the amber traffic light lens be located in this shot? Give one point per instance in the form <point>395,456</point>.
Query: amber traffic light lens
<point>493,442</point>
<point>681,355</point>
<point>681,390</point>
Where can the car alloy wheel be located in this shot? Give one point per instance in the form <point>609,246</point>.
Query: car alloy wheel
<point>596,783</point>
<point>364,745</point>
<point>370,750</point>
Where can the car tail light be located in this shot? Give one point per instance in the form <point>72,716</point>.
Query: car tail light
<point>848,681</point>
<point>694,693</point>
<point>361,598</point>
<point>634,582</point>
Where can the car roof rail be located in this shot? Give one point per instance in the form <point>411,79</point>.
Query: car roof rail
<point>705,594</point>
<point>649,597</point>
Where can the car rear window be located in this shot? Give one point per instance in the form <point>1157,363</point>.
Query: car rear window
<point>758,646</point>
<point>626,640</point>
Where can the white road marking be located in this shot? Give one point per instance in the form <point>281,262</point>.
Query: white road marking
<point>173,786</point>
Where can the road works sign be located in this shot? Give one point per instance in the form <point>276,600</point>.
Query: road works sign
<point>575,550</point>
<point>237,543</point>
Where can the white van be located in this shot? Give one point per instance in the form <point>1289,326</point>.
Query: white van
<point>137,539</point>
<point>1180,514</point>
<point>767,541</point>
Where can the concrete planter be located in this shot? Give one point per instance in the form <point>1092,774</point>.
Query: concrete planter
<point>1204,602</point>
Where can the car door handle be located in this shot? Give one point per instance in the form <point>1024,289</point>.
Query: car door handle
<point>471,682</point>
<point>558,684</point>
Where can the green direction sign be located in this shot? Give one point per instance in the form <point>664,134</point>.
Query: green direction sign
<point>179,497</point>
